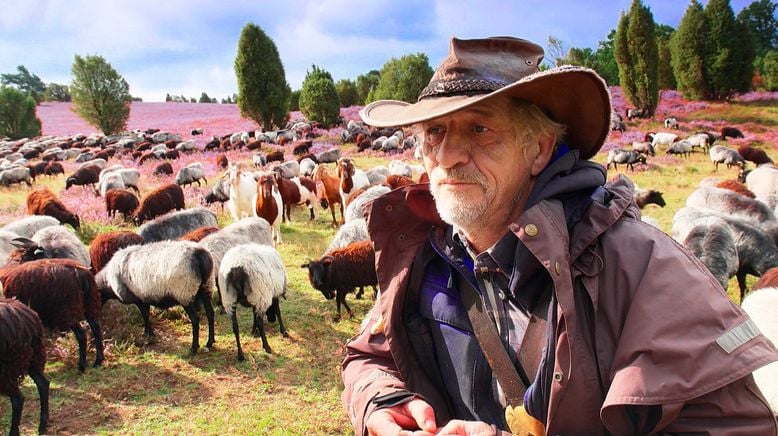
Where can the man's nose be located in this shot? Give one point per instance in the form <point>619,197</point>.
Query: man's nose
<point>454,150</point>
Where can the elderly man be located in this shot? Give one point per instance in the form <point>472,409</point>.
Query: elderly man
<point>521,292</point>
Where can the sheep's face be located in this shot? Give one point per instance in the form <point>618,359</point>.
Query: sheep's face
<point>318,274</point>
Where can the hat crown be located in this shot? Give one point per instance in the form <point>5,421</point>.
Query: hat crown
<point>480,66</point>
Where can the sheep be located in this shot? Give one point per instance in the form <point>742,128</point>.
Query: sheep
<point>352,231</point>
<point>763,182</point>
<point>671,123</point>
<point>194,172</point>
<point>274,156</point>
<point>197,131</point>
<point>635,113</point>
<point>710,239</point>
<point>288,169</point>
<point>122,201</point>
<point>129,176</point>
<point>731,132</point>
<point>329,156</point>
<point>730,203</point>
<point>162,274</point>
<point>86,175</point>
<point>660,138</point>
<point>700,140</point>
<point>644,197</point>
<point>57,242</point>
<point>159,202</point>
<point>400,168</point>
<point>104,245</point>
<point>302,148</point>
<point>644,148</point>
<point>722,154</point>
<point>44,202</point>
<point>176,224</point>
<point>736,186</point>
<point>617,123</point>
<point>242,191</point>
<point>37,169</point>
<point>354,208</point>
<point>53,168</point>
<point>100,163</point>
<point>23,350</point>
<point>63,293</point>
<point>755,155</point>
<point>269,205</point>
<point>328,191</point>
<point>197,234</point>
<point>222,161</point>
<point>395,181</point>
<point>186,146</point>
<point>761,305</point>
<point>682,147</point>
<point>16,175</point>
<point>307,165</point>
<point>254,276</point>
<point>220,192</point>
<point>163,169</point>
<point>27,226</point>
<point>341,270</point>
<point>628,157</point>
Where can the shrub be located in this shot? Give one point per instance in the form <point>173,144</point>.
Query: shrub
<point>17,114</point>
<point>100,94</point>
<point>319,99</point>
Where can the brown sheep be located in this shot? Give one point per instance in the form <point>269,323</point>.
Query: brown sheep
<point>54,168</point>
<point>122,201</point>
<point>277,156</point>
<point>88,175</point>
<point>104,245</point>
<point>159,202</point>
<point>736,186</point>
<point>197,234</point>
<point>755,155</point>
<point>395,181</point>
<point>44,202</point>
<point>163,169</point>
<point>221,161</point>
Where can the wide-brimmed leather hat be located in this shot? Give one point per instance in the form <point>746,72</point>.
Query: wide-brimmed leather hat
<point>479,69</point>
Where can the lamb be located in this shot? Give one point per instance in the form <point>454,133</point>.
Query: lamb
<point>761,305</point>
<point>104,245</point>
<point>644,197</point>
<point>628,157</point>
<point>341,270</point>
<point>86,175</point>
<point>194,172</point>
<point>197,234</point>
<point>254,276</point>
<point>28,226</point>
<point>16,175</point>
<point>755,155</point>
<point>57,242</point>
<point>176,224</point>
<point>162,274</point>
<point>44,202</point>
<point>722,154</point>
<point>354,208</point>
<point>159,202</point>
<point>24,352</point>
<point>242,191</point>
<point>269,205</point>
<point>731,132</point>
<point>63,293</point>
<point>122,201</point>
<point>163,169</point>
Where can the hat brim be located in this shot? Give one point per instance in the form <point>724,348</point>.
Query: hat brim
<point>573,96</point>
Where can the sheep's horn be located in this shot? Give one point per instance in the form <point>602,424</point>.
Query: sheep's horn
<point>23,243</point>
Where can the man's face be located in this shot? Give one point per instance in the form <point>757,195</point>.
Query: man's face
<point>478,171</point>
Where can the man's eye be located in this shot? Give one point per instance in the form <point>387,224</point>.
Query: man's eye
<point>434,131</point>
<point>480,129</point>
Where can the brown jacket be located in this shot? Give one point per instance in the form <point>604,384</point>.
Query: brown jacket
<point>652,329</point>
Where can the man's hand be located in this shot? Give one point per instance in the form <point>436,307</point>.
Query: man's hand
<point>457,427</point>
<point>413,415</point>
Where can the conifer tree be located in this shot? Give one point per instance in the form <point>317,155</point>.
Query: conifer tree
<point>689,50</point>
<point>637,56</point>
<point>729,64</point>
<point>100,94</point>
<point>319,99</point>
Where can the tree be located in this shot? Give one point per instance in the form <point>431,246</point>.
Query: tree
<point>555,51</point>
<point>204,98</point>
<point>637,57</point>
<point>294,100</point>
<point>25,81</point>
<point>56,92</point>
<point>17,114</point>
<point>263,93</point>
<point>760,19</point>
<point>347,91</point>
<point>770,66</point>
<point>404,78</point>
<point>100,94</point>
<point>663,35</point>
<point>731,57</point>
<point>605,60</point>
<point>319,99</point>
<point>365,84</point>
<point>689,48</point>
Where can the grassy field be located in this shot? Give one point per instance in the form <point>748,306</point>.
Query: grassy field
<point>160,388</point>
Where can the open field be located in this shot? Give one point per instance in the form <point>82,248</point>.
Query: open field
<point>160,388</point>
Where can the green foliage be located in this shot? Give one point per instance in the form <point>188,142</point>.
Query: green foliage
<point>263,93</point>
<point>17,114</point>
<point>666,76</point>
<point>730,62</point>
<point>319,99</point>
<point>770,65</point>
<point>26,82</point>
<point>689,49</point>
<point>204,98</point>
<point>56,92</point>
<point>294,100</point>
<point>404,78</point>
<point>605,60</point>
<point>366,83</point>
<point>637,57</point>
<point>100,94</point>
<point>347,91</point>
<point>760,19</point>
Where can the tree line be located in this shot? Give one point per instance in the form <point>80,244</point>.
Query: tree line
<point>712,55</point>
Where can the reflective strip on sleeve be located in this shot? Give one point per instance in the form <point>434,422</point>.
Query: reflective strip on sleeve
<point>738,336</point>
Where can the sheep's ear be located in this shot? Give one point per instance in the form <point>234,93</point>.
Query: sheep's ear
<point>305,265</point>
<point>327,260</point>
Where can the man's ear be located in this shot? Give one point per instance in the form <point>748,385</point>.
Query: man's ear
<point>546,144</point>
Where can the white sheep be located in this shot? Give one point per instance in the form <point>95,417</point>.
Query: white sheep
<point>162,274</point>
<point>307,166</point>
<point>763,182</point>
<point>661,138</point>
<point>699,140</point>
<point>400,168</point>
<point>112,180</point>
<point>762,305</point>
<point>682,147</point>
<point>60,243</point>
<point>722,154</point>
<point>99,162</point>
<point>192,173</point>
<point>354,209</point>
<point>15,175</point>
<point>253,275</point>
<point>27,226</point>
<point>671,123</point>
<point>175,224</point>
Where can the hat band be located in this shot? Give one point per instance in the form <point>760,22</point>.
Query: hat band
<point>443,88</point>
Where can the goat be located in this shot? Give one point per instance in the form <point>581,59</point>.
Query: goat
<point>328,191</point>
<point>269,205</point>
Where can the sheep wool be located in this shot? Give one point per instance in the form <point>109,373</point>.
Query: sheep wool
<point>28,226</point>
<point>265,270</point>
<point>176,224</point>
<point>60,243</point>
<point>761,305</point>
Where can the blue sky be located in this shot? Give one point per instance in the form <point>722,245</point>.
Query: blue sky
<point>189,46</point>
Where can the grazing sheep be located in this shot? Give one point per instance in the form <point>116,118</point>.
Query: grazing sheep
<point>100,163</point>
<point>635,113</point>
<point>682,147</point>
<point>700,140</point>
<point>288,169</point>
<point>269,205</point>
<point>197,234</point>
<point>159,202</point>
<point>340,271</point>
<point>671,123</point>
<point>37,169</point>
<point>755,155</point>
<point>354,208</point>
<point>242,191</point>
<point>53,168</point>
<point>192,173</point>
<point>617,123</point>
<point>104,245</point>
<point>176,224</point>
<point>245,231</point>
<point>197,131</point>
<point>628,157</point>
<point>16,175</point>
<point>86,175</point>
<point>644,148</point>
<point>302,148</point>
<point>163,169</point>
<point>660,138</point>
<point>63,293</point>
<point>122,201</point>
<point>220,192</point>
<point>330,156</point>
<point>254,276</point>
<point>162,274</point>
<point>731,132</point>
<point>24,352</point>
<point>710,239</point>
<point>307,165</point>
<point>644,197</point>
<point>57,242</point>
<point>27,226</point>
<point>129,176</point>
<point>44,202</point>
<point>762,305</point>
<point>722,154</point>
